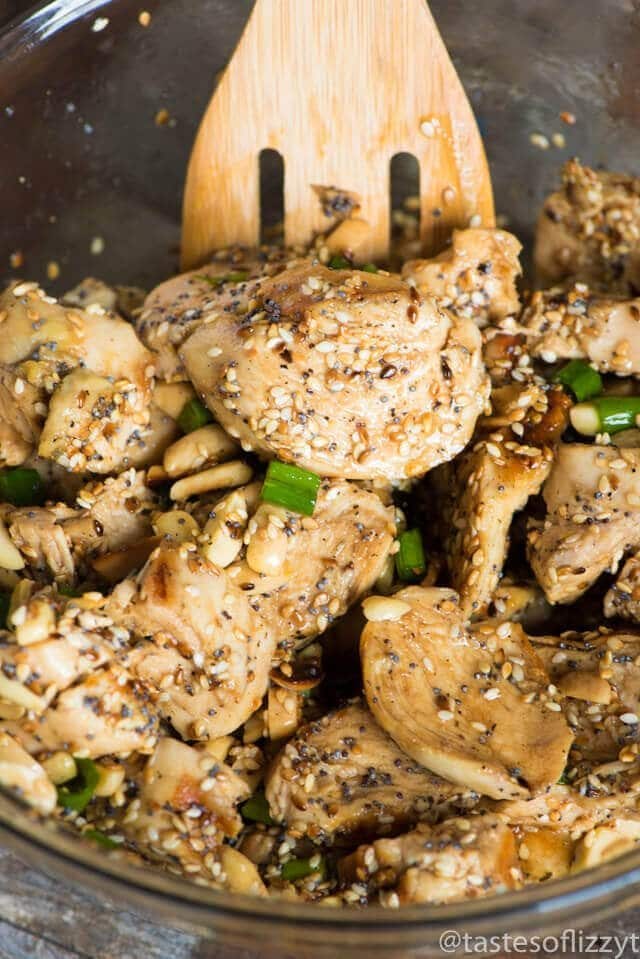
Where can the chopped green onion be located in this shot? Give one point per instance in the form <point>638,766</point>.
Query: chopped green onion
<point>21,487</point>
<point>71,591</point>
<point>102,839</point>
<point>289,486</point>
<point>256,809</point>
<point>239,276</point>
<point>369,268</point>
<point>583,381</point>
<point>78,793</point>
<point>605,414</point>
<point>193,415</point>
<point>301,868</point>
<point>563,781</point>
<point>5,603</point>
<point>410,561</point>
<point>339,263</point>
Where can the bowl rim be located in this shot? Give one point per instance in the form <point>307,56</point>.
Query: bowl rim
<point>587,896</point>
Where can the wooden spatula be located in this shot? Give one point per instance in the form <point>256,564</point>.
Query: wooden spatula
<point>338,87</point>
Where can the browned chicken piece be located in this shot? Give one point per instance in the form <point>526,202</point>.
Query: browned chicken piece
<point>588,230</point>
<point>623,599</point>
<point>105,714</point>
<point>566,323</point>
<point>24,776</point>
<point>59,541</point>
<point>475,707</point>
<point>343,372</point>
<point>300,574</point>
<point>598,674</point>
<point>205,656</point>
<point>185,808</point>
<point>177,307</point>
<point>475,277</point>
<point>458,859</point>
<point>94,369</point>
<point>21,416</point>
<point>481,490</point>
<point>592,519</point>
<point>342,776</point>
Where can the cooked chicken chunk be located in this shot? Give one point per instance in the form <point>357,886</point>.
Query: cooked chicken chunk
<point>38,533</point>
<point>21,417</point>
<point>475,277</point>
<point>301,574</point>
<point>572,323</point>
<point>623,599</point>
<point>478,494</point>
<point>346,373</point>
<point>92,365</point>
<point>592,519</point>
<point>599,676</point>
<point>343,776</point>
<point>21,773</point>
<point>123,300</point>
<point>459,859</point>
<point>588,230</point>
<point>207,657</point>
<point>473,707</point>
<point>177,307</point>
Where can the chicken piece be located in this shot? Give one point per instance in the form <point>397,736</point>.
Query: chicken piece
<point>475,277</point>
<point>479,493</point>
<point>472,706</point>
<point>572,323</point>
<point>606,842</point>
<point>342,776</point>
<point>177,307</point>
<point>588,230</point>
<point>207,659</point>
<point>123,300</point>
<point>592,518</point>
<point>60,541</point>
<point>147,446</point>
<point>21,417</point>
<point>24,776</point>
<point>105,714</point>
<point>184,809</point>
<point>300,573</point>
<point>458,859</point>
<point>346,373</point>
<point>598,673</point>
<point>623,599</point>
<point>91,363</point>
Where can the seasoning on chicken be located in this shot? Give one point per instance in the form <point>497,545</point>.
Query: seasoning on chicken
<point>623,598</point>
<point>22,413</point>
<point>177,307</point>
<point>345,373</point>
<point>592,518</point>
<point>479,493</point>
<point>572,323</point>
<point>459,859</point>
<point>203,655</point>
<point>20,772</point>
<point>92,367</point>
<point>588,231</point>
<point>343,777</point>
<point>475,277</point>
<point>475,707</point>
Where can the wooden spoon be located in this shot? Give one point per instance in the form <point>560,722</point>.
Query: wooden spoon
<point>338,87</point>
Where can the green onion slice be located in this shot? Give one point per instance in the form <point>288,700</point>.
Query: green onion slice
<point>102,839</point>
<point>583,381</point>
<point>289,486</point>
<point>193,416</point>
<point>5,603</point>
<point>301,868</point>
<point>256,809</point>
<point>605,414</point>
<point>410,561</point>
<point>78,792</point>
<point>339,263</point>
<point>369,268</point>
<point>21,487</point>
<point>239,276</point>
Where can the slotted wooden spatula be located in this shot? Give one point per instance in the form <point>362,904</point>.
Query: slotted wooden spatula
<point>338,87</point>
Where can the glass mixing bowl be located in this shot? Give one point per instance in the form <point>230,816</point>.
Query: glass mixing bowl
<point>91,173</point>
